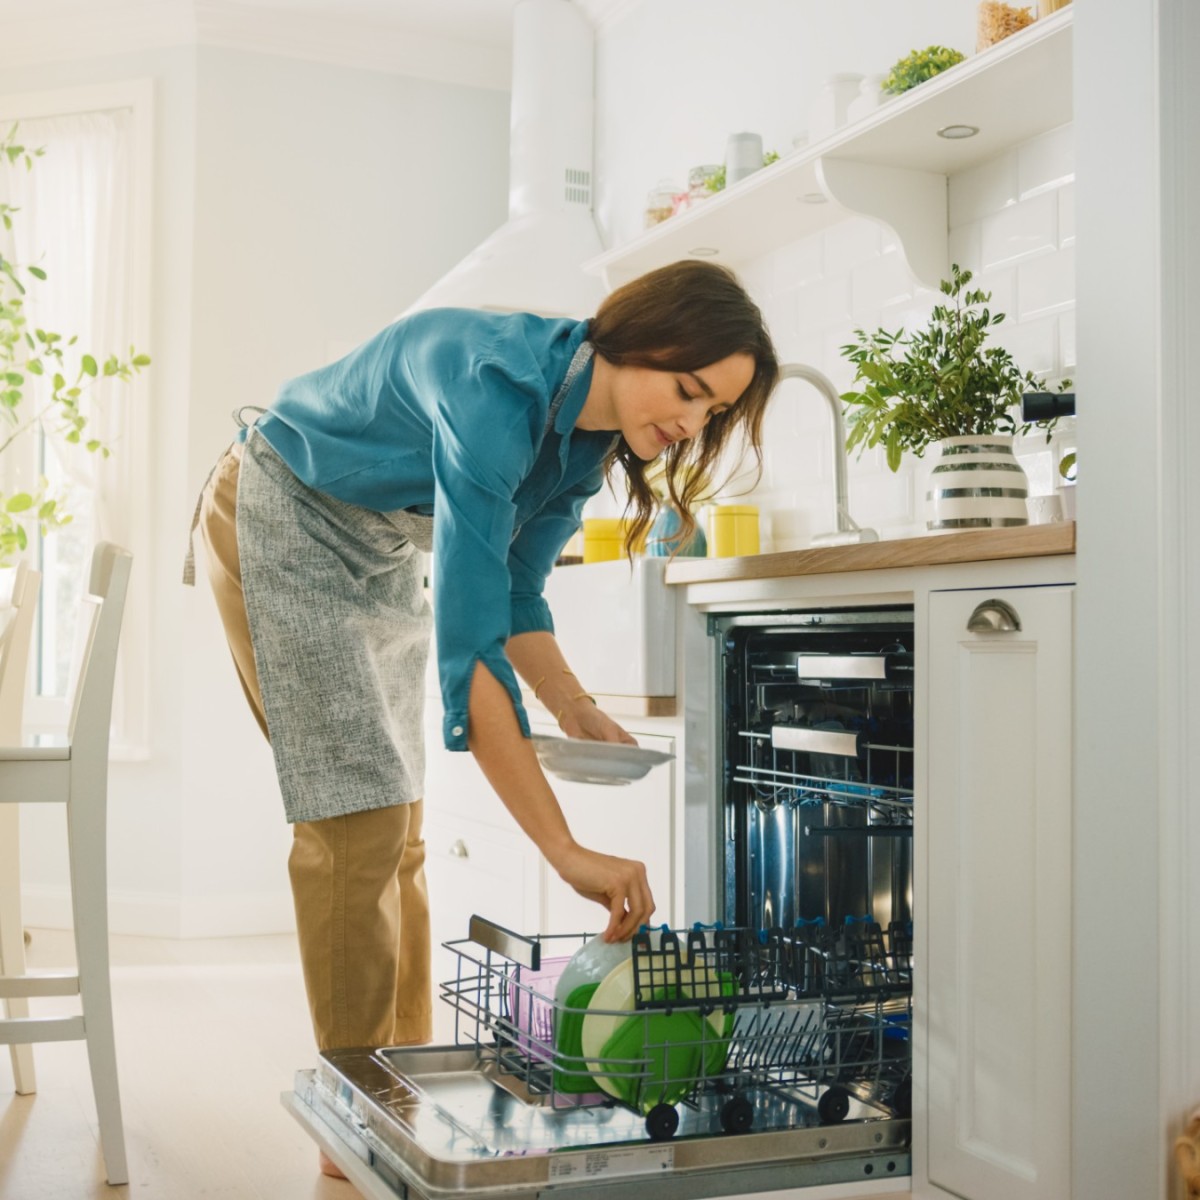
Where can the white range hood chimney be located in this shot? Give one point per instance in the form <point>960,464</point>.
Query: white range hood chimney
<point>532,262</point>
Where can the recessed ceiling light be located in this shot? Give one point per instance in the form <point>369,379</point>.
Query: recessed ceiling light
<point>954,132</point>
<point>814,198</point>
<point>703,251</point>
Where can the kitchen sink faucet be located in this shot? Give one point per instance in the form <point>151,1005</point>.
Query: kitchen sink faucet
<point>846,530</point>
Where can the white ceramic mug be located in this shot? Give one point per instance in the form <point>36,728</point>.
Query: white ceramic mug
<point>1044,510</point>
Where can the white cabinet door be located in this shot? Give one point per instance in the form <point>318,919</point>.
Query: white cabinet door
<point>998,919</point>
<point>635,821</point>
<point>474,869</point>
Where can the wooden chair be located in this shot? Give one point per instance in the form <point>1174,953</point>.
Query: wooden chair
<point>75,773</point>
<point>15,639</point>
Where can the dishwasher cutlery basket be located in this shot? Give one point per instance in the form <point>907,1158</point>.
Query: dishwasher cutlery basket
<point>810,1013</point>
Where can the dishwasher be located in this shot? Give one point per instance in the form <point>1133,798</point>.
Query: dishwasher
<point>767,1049</point>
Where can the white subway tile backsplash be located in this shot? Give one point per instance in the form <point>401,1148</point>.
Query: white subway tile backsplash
<point>1046,284</point>
<point>965,244</point>
<point>823,302</point>
<point>877,283</point>
<point>797,264</point>
<point>1030,227</point>
<point>882,500</point>
<point>1066,215</point>
<point>1033,344</point>
<point>1046,162</point>
<point>849,243</point>
<point>983,190</point>
<point>1001,285</point>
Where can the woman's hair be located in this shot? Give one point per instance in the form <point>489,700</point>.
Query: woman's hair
<point>685,317</point>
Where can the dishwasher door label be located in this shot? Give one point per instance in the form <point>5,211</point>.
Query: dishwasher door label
<point>601,1164</point>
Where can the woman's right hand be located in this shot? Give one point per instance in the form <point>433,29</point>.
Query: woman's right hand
<point>619,884</point>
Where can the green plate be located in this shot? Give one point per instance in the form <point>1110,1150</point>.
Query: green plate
<point>570,1071</point>
<point>670,1044</point>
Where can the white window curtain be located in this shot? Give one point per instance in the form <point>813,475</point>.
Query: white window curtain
<point>75,222</point>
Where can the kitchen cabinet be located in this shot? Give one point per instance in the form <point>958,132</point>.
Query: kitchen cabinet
<point>634,821</point>
<point>998,910</point>
<point>891,166</point>
<point>477,860</point>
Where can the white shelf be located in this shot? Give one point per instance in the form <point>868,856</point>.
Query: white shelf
<point>890,166</point>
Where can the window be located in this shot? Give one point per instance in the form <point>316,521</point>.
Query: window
<point>84,218</point>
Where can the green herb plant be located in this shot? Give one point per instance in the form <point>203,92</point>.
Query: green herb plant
<point>919,66</point>
<point>941,382</point>
<point>716,182</point>
<point>44,379</point>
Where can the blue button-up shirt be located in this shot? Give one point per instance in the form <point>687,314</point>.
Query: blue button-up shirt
<point>446,411</point>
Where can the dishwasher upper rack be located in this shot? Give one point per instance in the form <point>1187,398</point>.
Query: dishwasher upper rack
<point>771,774</point>
<point>806,1013</point>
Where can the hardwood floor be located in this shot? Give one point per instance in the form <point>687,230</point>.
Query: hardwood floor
<point>209,1033</point>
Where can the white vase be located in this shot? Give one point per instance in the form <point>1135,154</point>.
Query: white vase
<point>977,484</point>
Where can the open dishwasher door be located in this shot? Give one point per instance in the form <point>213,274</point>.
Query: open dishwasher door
<point>735,1064</point>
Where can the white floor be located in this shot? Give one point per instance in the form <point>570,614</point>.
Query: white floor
<point>209,1033</point>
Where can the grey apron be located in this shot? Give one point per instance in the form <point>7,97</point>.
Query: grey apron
<point>340,627</point>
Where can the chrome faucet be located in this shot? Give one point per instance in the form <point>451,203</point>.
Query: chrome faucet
<point>846,531</point>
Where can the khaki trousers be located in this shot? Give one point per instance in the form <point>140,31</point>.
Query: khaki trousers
<point>358,881</point>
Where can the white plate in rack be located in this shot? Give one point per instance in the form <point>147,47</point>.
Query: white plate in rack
<point>583,761</point>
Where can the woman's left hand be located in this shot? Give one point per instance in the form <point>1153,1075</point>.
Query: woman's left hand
<point>582,719</point>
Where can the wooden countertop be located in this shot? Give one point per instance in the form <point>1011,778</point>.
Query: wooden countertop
<point>976,545</point>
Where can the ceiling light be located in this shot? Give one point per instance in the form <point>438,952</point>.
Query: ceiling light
<point>954,132</point>
<point>703,251</point>
<point>814,198</point>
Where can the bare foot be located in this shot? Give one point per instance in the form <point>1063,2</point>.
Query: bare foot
<point>329,1167</point>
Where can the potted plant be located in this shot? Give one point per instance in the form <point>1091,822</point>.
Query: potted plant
<point>919,66</point>
<point>44,384</point>
<point>946,386</point>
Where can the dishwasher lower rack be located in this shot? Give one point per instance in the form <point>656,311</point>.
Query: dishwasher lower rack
<point>719,1019</point>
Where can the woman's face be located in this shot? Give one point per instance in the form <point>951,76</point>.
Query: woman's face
<point>654,408</point>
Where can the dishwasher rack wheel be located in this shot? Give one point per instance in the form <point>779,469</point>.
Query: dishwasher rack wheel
<point>661,1122</point>
<point>833,1106</point>
<point>737,1115</point>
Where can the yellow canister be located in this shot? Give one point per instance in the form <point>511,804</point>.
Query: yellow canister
<point>604,539</point>
<point>601,539</point>
<point>732,530</point>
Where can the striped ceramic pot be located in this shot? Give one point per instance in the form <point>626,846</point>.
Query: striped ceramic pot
<point>977,484</point>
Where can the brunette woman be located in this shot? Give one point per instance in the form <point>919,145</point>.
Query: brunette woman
<point>478,436</point>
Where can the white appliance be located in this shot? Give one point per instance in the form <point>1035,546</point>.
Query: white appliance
<point>532,263</point>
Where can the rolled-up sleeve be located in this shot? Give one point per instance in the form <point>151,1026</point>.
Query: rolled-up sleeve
<point>482,448</point>
<point>535,549</point>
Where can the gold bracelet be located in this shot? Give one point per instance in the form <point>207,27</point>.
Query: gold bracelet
<point>585,696</point>
<point>538,685</point>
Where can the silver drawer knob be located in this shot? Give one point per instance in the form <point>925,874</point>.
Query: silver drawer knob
<point>459,849</point>
<point>994,616</point>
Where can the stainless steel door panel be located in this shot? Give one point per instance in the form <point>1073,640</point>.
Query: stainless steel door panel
<point>435,1123</point>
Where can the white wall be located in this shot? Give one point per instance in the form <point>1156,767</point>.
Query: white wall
<point>298,208</point>
<point>705,69</point>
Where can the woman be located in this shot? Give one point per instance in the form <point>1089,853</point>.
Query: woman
<point>479,436</point>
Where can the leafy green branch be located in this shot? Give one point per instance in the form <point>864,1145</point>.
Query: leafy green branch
<point>44,380</point>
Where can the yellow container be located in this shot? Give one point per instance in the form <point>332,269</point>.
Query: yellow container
<point>604,539</point>
<point>732,530</point>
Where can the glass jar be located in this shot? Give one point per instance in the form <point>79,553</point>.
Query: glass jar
<point>660,203</point>
<point>705,181</point>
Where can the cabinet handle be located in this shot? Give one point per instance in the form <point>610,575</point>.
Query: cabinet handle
<point>459,849</point>
<point>994,616</point>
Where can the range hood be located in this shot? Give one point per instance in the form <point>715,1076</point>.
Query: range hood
<point>532,262</point>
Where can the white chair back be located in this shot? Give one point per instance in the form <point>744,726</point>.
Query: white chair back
<point>15,640</point>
